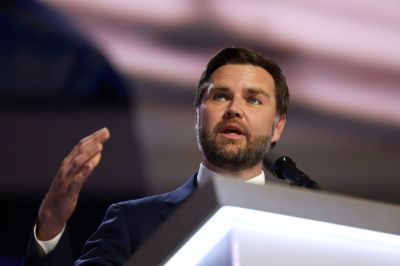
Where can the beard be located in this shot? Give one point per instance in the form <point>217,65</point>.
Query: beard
<point>228,154</point>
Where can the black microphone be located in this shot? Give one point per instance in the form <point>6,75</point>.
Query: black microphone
<point>284,167</point>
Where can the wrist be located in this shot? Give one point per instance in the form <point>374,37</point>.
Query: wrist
<point>48,229</point>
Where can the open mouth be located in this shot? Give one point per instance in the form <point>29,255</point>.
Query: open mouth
<point>232,130</point>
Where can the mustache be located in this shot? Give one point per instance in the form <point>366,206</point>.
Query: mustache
<point>223,123</point>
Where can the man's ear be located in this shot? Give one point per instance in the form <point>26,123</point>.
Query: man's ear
<point>278,128</point>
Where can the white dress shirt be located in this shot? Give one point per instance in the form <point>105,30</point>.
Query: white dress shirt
<point>204,174</point>
<point>45,247</point>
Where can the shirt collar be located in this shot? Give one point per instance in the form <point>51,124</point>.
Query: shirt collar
<point>204,174</point>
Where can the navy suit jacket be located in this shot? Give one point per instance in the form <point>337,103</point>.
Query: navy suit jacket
<point>125,227</point>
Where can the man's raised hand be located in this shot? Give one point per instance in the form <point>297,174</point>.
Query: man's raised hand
<point>62,197</point>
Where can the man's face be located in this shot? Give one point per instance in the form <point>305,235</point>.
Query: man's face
<point>236,118</point>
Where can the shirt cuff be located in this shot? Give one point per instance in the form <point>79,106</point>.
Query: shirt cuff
<point>45,247</point>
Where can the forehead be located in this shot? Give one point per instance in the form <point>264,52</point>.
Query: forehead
<point>242,76</point>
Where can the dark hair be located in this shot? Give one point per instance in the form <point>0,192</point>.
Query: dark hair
<point>241,56</point>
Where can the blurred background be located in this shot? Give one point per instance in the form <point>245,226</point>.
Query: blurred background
<point>71,67</point>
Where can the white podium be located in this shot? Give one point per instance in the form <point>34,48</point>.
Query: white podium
<point>228,222</point>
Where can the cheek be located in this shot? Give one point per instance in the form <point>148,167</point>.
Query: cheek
<point>207,118</point>
<point>263,126</point>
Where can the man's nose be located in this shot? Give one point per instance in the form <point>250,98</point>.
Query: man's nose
<point>234,109</point>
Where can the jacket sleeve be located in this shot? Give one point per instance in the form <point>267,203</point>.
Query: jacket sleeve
<point>61,255</point>
<point>110,244</point>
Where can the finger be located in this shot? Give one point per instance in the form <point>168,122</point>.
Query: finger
<point>81,176</point>
<point>76,164</point>
<point>88,168</point>
<point>99,136</point>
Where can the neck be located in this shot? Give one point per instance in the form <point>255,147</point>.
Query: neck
<point>244,174</point>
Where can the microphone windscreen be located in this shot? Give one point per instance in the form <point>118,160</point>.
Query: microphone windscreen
<point>270,159</point>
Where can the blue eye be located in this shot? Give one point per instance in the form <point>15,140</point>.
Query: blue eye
<point>219,98</point>
<point>254,101</point>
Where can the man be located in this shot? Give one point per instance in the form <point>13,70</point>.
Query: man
<point>241,106</point>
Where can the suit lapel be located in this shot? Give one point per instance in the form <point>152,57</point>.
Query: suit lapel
<point>175,198</point>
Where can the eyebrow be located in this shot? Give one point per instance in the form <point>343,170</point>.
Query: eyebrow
<point>253,91</point>
<point>258,91</point>
<point>216,88</point>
